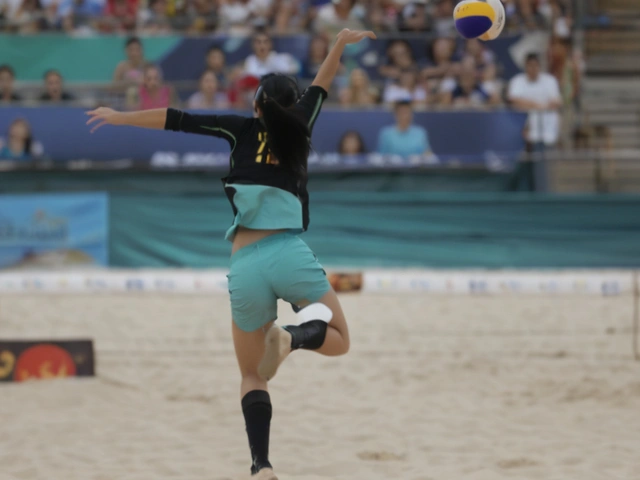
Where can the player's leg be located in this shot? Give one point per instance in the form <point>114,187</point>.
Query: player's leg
<point>253,307</point>
<point>299,278</point>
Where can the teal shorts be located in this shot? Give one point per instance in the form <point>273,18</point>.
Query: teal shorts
<point>278,266</point>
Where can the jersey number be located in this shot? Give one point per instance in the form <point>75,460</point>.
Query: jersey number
<point>264,155</point>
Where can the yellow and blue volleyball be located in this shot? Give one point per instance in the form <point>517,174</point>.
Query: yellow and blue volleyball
<point>483,19</point>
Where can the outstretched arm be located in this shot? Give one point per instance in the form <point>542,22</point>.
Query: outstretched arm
<point>330,66</point>
<point>145,118</point>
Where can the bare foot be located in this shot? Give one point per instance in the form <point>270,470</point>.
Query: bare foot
<point>264,474</point>
<point>277,344</point>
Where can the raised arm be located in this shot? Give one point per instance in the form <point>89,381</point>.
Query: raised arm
<point>156,118</point>
<point>330,66</point>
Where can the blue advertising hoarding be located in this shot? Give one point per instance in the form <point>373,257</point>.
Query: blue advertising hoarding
<point>468,136</point>
<point>56,230</point>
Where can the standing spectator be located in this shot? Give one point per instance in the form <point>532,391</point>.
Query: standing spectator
<point>359,92</point>
<point>403,138</point>
<point>130,71</point>
<point>539,94</point>
<point>19,145</point>
<point>264,60</point>
<point>406,89</point>
<point>216,62</point>
<point>332,17</point>
<point>351,143</point>
<point>54,92</point>
<point>318,51</point>
<point>152,93</point>
<point>208,97</point>
<point>121,15</point>
<point>80,14</point>
<point>7,79</point>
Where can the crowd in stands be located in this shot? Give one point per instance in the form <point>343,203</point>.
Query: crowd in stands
<point>242,16</point>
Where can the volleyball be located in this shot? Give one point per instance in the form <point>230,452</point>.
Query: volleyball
<point>483,19</point>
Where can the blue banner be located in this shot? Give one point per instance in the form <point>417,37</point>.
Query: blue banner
<point>65,230</point>
<point>470,136</point>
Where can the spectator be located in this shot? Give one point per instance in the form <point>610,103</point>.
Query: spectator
<point>26,16</point>
<point>216,62</point>
<point>120,15</point>
<point>318,51</point>
<point>492,84</point>
<point>336,15</point>
<point>468,92</point>
<point>208,97</point>
<point>264,60</point>
<point>19,145</point>
<point>154,19</point>
<point>564,67</point>
<point>442,13</point>
<point>242,92</point>
<point>351,143</point>
<point>403,138</point>
<point>242,16</point>
<point>482,56</point>
<point>413,16</point>
<point>76,14</point>
<point>205,16</point>
<point>152,93</point>
<point>131,71</point>
<point>7,79</point>
<point>54,92</point>
<point>538,93</point>
<point>399,58</point>
<point>441,65</point>
<point>359,92</point>
<point>405,89</point>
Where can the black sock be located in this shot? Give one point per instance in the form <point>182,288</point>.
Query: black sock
<point>308,335</point>
<point>256,407</point>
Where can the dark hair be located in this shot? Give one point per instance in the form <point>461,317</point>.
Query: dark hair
<point>402,103</point>
<point>531,57</point>
<point>27,141</point>
<point>361,149</point>
<point>132,41</point>
<point>288,135</point>
<point>52,71</point>
<point>214,48</point>
<point>8,69</point>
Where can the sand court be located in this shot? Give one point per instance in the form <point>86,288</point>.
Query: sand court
<point>436,387</point>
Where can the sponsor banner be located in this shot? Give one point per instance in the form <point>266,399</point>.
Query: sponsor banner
<point>21,361</point>
<point>474,282</point>
<point>607,283</point>
<point>57,230</point>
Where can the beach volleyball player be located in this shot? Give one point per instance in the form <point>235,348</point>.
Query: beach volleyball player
<point>267,189</point>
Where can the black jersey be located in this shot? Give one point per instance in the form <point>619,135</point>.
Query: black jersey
<point>251,162</point>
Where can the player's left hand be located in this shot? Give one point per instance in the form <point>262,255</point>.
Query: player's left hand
<point>104,116</point>
<point>354,36</point>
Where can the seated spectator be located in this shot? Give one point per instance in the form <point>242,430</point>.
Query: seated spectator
<point>154,19</point>
<point>442,63</point>
<point>405,89</point>
<point>19,144</point>
<point>216,62</point>
<point>403,138</point>
<point>242,92</point>
<point>7,80</point>
<point>120,15</point>
<point>413,16</point>
<point>482,56</point>
<point>264,60</point>
<point>359,92</point>
<point>492,84</point>
<point>442,13</point>
<point>351,143</point>
<point>333,16</point>
<point>318,51</point>
<point>80,14</point>
<point>399,57</point>
<point>539,94</point>
<point>26,16</point>
<point>131,70</point>
<point>468,92</point>
<point>53,88</point>
<point>205,15</point>
<point>152,93</point>
<point>240,17</point>
<point>208,97</point>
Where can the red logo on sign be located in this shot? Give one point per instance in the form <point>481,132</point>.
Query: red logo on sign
<point>44,361</point>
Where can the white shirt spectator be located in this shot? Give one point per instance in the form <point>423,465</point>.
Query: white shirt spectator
<point>273,63</point>
<point>395,93</point>
<point>543,126</point>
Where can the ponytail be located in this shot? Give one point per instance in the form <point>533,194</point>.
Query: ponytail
<point>287,136</point>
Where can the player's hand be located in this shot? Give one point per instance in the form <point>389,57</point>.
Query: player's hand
<point>354,36</point>
<point>104,116</point>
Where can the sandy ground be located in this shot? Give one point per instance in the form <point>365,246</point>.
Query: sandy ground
<point>435,388</point>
